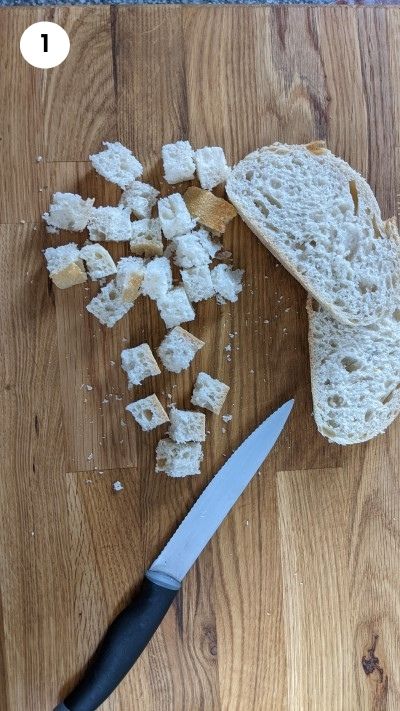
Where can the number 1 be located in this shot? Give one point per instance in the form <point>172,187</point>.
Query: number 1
<point>45,43</point>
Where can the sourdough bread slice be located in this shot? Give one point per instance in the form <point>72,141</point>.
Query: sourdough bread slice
<point>355,375</point>
<point>320,218</point>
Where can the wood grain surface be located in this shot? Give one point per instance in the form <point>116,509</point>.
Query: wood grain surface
<point>294,606</point>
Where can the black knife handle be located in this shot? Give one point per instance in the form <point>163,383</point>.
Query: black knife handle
<point>122,645</point>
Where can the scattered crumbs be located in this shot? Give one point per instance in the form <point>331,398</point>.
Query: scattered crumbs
<point>86,288</point>
<point>228,358</point>
<point>100,472</point>
<point>124,340</point>
<point>266,321</point>
<point>112,362</point>
<point>85,399</point>
<point>32,533</point>
<point>122,423</point>
<point>118,398</point>
<point>276,265</point>
<point>169,396</point>
<point>231,335</point>
<point>105,401</point>
<point>301,582</point>
<point>89,481</point>
<point>223,430</point>
<point>39,159</point>
<point>266,277</point>
<point>22,222</point>
<point>90,457</point>
<point>268,613</point>
<point>117,486</point>
<point>288,309</point>
<point>174,386</point>
<point>227,418</point>
<point>208,432</point>
<point>252,371</point>
<point>121,441</point>
<point>228,347</point>
<point>237,348</point>
<point>247,522</point>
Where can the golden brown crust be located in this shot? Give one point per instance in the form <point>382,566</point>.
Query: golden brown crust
<point>190,337</point>
<point>211,211</point>
<point>316,147</point>
<point>146,248</point>
<point>69,276</point>
<point>130,291</point>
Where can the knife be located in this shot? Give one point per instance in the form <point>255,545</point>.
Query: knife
<point>131,631</point>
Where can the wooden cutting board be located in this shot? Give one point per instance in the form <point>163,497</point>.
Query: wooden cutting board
<point>294,606</point>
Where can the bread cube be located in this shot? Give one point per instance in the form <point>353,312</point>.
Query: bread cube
<point>157,278</point>
<point>211,166</point>
<point>227,282</point>
<point>189,251</point>
<point>68,212</point>
<point>108,306</point>
<point>175,307</point>
<point>99,262</point>
<point>146,237</point>
<point>174,216</point>
<point>178,162</point>
<point>110,224</point>
<point>187,426</point>
<point>178,349</point>
<point>130,273</point>
<point>209,393</point>
<point>148,412</point>
<point>178,460</point>
<point>65,265</point>
<point>211,211</point>
<point>117,164</point>
<point>211,246</point>
<point>139,363</point>
<point>197,283</point>
<point>139,198</point>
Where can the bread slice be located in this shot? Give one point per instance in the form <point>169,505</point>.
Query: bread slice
<point>355,375</point>
<point>320,218</point>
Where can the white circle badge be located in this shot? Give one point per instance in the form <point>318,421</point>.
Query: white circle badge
<point>44,45</point>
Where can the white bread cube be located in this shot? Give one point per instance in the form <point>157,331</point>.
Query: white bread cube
<point>139,198</point>
<point>110,224</point>
<point>139,363</point>
<point>211,166</point>
<point>187,426</point>
<point>197,283</point>
<point>227,282</point>
<point>209,393</point>
<point>178,460</point>
<point>146,237</point>
<point>148,412</point>
<point>189,251</point>
<point>175,307</point>
<point>99,262</point>
<point>117,164</point>
<point>211,246</point>
<point>108,306</point>
<point>174,216</point>
<point>68,212</point>
<point>178,349</point>
<point>157,278</point>
<point>178,162</point>
<point>65,265</point>
<point>130,273</point>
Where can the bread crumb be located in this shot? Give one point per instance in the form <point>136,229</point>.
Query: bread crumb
<point>105,401</point>
<point>231,335</point>
<point>251,371</point>
<point>112,362</point>
<point>90,457</point>
<point>39,159</point>
<point>266,321</point>
<point>228,347</point>
<point>89,481</point>
<point>227,418</point>
<point>223,430</point>
<point>32,533</point>
<point>117,486</point>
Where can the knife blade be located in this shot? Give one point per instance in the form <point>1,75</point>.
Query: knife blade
<point>131,631</point>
